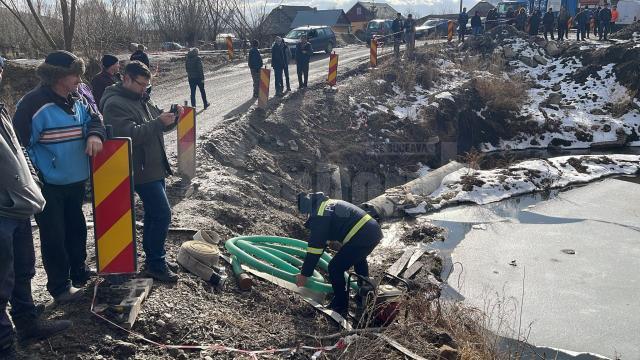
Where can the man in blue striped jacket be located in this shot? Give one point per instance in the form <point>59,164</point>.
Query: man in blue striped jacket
<point>356,232</point>
<point>60,133</point>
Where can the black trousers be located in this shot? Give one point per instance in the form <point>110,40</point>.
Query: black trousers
<point>561,32</point>
<point>303,73</point>
<point>548,30</point>
<point>286,76</point>
<point>199,83</point>
<point>352,254</point>
<point>277,74</point>
<point>604,30</point>
<point>63,235</point>
<point>17,268</point>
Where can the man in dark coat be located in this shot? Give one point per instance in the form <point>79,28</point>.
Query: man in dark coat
<point>563,23</point>
<point>396,29</point>
<point>588,17</point>
<point>255,64</point>
<point>304,50</point>
<point>109,75</point>
<point>476,24</point>
<point>140,55</point>
<point>581,23</point>
<point>286,53</point>
<point>20,198</point>
<point>277,63</point>
<point>534,23</point>
<point>463,19</point>
<point>195,74</point>
<point>547,21</point>
<point>596,21</point>
<point>604,21</point>
<point>521,19</point>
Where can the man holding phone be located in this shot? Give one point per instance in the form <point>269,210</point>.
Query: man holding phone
<point>128,109</point>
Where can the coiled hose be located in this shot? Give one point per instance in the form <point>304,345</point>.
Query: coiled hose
<point>281,257</point>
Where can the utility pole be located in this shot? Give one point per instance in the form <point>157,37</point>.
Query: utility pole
<point>460,6</point>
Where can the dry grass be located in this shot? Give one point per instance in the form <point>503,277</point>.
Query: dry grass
<point>500,94</point>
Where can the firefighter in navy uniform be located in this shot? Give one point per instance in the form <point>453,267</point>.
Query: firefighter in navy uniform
<point>355,230</point>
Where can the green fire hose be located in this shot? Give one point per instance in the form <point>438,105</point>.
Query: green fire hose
<point>278,256</point>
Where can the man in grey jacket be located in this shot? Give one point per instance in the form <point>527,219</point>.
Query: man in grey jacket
<point>128,109</point>
<point>20,198</point>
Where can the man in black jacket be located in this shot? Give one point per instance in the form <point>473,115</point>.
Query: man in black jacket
<point>20,198</point>
<point>604,21</point>
<point>356,232</point>
<point>563,23</point>
<point>304,50</point>
<point>195,75</point>
<point>140,55</point>
<point>255,63</point>
<point>107,77</point>
<point>396,29</point>
<point>277,63</point>
<point>463,19</point>
<point>547,21</point>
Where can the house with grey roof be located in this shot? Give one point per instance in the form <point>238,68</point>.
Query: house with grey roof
<point>336,19</point>
<point>279,20</point>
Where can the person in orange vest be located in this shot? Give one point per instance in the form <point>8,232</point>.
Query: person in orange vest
<point>614,18</point>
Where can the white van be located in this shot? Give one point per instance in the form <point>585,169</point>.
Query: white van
<point>628,11</point>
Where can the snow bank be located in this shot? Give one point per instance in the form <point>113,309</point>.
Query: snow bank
<point>486,186</point>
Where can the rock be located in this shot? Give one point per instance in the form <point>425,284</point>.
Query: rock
<point>447,353</point>
<point>540,60</point>
<point>529,61</point>
<point>124,349</point>
<point>509,53</point>
<point>597,111</point>
<point>556,87</point>
<point>552,49</point>
<point>161,323</point>
<point>279,143</point>
<point>167,315</point>
<point>292,145</point>
<point>606,128</point>
<point>208,357</point>
<point>554,98</point>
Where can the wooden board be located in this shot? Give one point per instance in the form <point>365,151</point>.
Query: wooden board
<point>412,270</point>
<point>399,265</point>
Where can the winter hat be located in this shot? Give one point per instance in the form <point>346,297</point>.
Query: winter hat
<point>59,64</point>
<point>109,60</point>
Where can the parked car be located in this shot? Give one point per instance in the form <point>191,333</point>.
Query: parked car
<point>433,28</point>
<point>377,28</point>
<point>171,46</point>
<point>322,38</point>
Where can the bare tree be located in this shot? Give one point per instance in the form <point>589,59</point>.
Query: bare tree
<point>45,33</point>
<point>68,22</point>
<point>13,9</point>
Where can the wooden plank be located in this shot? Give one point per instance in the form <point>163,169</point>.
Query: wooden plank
<point>396,345</point>
<point>413,270</point>
<point>417,255</point>
<point>399,265</point>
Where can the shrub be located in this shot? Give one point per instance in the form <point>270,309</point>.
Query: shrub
<point>501,94</point>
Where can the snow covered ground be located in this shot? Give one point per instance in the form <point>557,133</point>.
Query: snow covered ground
<point>581,112</point>
<point>487,186</point>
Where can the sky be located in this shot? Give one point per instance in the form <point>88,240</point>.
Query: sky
<point>419,8</point>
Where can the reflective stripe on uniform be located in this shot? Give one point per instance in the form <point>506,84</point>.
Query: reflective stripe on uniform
<point>316,251</point>
<point>356,228</point>
<point>323,206</point>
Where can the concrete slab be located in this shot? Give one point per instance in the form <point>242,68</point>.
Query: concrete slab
<point>562,272</point>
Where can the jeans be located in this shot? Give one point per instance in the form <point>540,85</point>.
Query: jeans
<point>303,73</point>
<point>354,253</point>
<point>461,32</point>
<point>255,75</point>
<point>277,74</point>
<point>63,235</point>
<point>17,268</point>
<point>396,46</point>
<point>476,30</point>
<point>157,218</point>
<point>604,30</point>
<point>548,30</point>
<point>199,83</point>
